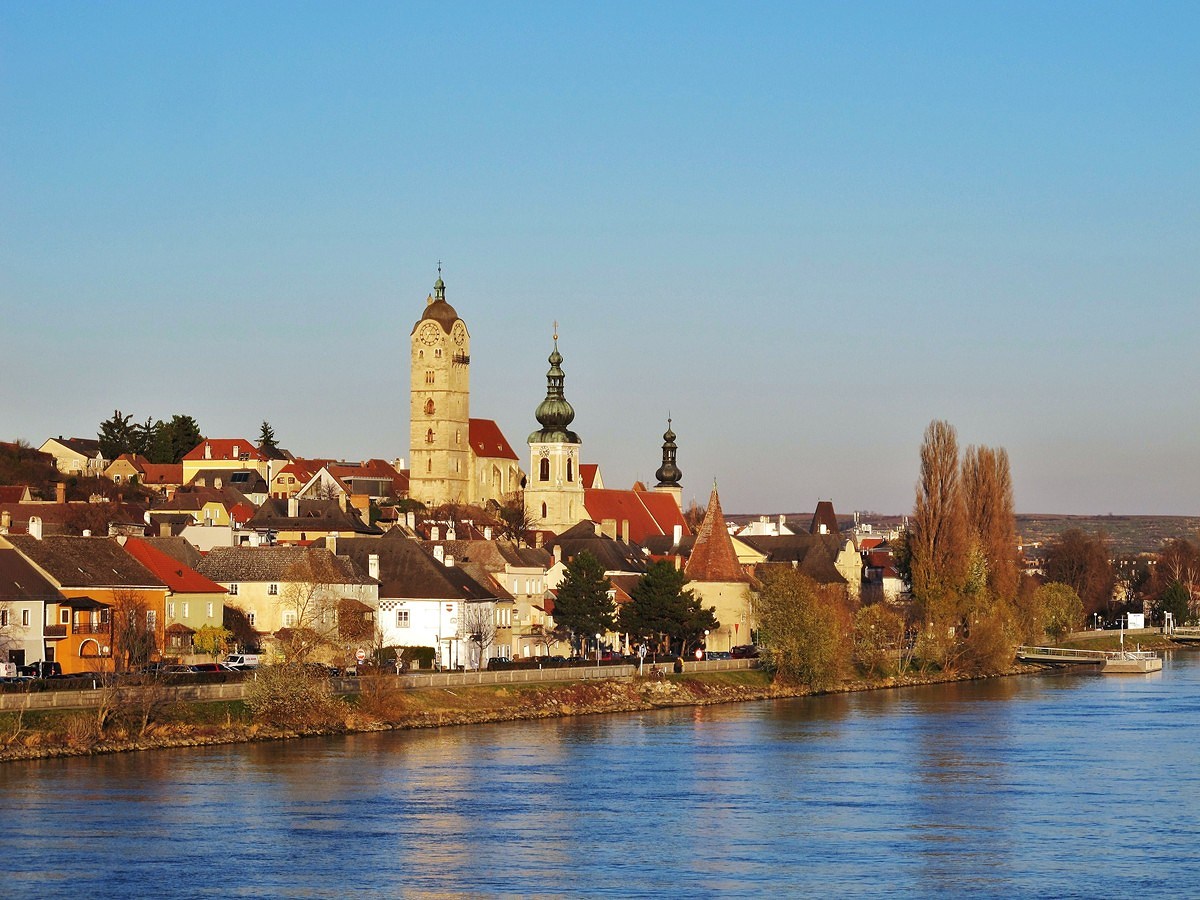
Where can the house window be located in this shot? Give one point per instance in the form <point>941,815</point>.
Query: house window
<point>544,471</point>
<point>151,618</point>
<point>185,610</point>
<point>250,617</point>
<point>210,610</point>
<point>170,610</point>
<point>402,618</point>
<point>289,620</point>
<point>25,617</point>
<point>273,590</point>
<point>233,590</point>
<point>3,618</point>
<point>64,616</point>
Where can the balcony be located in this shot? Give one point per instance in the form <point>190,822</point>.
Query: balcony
<point>90,628</point>
<point>55,631</point>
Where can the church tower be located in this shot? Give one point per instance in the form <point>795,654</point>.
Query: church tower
<point>668,473</point>
<point>553,490</point>
<point>440,466</point>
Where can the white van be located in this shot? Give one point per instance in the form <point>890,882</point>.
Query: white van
<point>243,660</point>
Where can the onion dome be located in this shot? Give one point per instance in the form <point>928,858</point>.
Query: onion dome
<point>554,413</point>
<point>438,309</point>
<point>668,473</point>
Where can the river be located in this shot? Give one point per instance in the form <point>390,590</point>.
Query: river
<point>1067,785</point>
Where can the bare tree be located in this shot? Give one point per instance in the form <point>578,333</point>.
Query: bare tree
<point>477,626</point>
<point>134,630</point>
<point>515,520</point>
<point>309,606</point>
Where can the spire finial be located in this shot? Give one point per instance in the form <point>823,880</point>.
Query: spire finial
<point>556,331</point>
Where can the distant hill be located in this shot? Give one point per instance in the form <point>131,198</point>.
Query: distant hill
<point>1127,534</point>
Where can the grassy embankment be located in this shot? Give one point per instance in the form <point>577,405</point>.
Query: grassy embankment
<point>383,706</point>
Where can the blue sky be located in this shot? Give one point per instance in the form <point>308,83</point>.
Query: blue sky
<point>805,230</point>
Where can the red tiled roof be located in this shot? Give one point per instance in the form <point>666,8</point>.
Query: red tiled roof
<point>713,557</point>
<point>647,512</point>
<point>162,473</point>
<point>179,578</point>
<point>587,474</point>
<point>222,448</point>
<point>869,543</point>
<point>12,493</point>
<point>487,440</point>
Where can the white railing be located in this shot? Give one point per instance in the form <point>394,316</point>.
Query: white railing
<point>1066,654</point>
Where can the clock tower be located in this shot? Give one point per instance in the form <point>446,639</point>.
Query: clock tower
<point>440,453</point>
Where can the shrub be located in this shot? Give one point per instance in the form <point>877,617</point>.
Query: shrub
<point>292,696</point>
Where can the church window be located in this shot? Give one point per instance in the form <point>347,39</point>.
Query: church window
<point>429,465</point>
<point>420,354</point>
<point>429,436</point>
<point>543,510</point>
<point>570,470</point>
<point>437,353</point>
<point>457,438</point>
<point>429,407</point>
<point>429,376</point>
<point>544,471</point>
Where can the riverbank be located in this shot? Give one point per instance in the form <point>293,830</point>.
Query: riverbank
<point>381,706</point>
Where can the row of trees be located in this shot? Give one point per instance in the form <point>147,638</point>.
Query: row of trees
<point>661,610</point>
<point>158,441</point>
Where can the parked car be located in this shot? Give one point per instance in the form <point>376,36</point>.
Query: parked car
<point>744,651</point>
<point>210,667</point>
<point>41,669</point>
<point>718,654</point>
<point>243,660</point>
<point>499,662</point>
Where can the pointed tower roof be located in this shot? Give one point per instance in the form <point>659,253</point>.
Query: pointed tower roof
<point>554,413</point>
<point>824,520</point>
<point>713,557</point>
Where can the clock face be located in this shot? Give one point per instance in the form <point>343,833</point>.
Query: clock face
<point>459,335</point>
<point>428,335</point>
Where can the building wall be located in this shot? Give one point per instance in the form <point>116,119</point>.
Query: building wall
<point>22,643</point>
<point>734,611</point>
<point>493,478</point>
<point>554,502</point>
<point>439,413</point>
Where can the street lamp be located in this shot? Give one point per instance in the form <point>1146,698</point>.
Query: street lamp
<point>598,636</point>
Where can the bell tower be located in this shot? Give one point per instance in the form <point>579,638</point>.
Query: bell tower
<point>439,445</point>
<point>553,489</point>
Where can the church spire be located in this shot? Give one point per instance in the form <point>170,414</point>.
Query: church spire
<point>668,473</point>
<point>554,413</point>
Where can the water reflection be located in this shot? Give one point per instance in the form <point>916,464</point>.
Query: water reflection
<point>1068,785</point>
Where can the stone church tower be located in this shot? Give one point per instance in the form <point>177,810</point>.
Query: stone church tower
<point>440,467</point>
<point>553,489</point>
<point>668,473</point>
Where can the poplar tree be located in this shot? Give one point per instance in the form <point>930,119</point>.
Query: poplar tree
<point>938,541</point>
<point>987,482</point>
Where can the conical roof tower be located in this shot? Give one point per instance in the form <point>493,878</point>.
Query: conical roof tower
<point>713,557</point>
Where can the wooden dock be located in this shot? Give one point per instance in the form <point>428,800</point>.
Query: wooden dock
<point>1111,662</point>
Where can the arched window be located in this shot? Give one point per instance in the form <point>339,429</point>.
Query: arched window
<point>543,510</point>
<point>429,465</point>
<point>570,470</point>
<point>429,436</point>
<point>544,471</point>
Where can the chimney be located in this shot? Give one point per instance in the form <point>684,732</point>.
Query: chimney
<point>410,519</point>
<point>608,528</point>
<point>60,492</point>
<point>439,552</point>
<point>331,542</point>
<point>451,534</point>
<point>625,530</point>
<point>207,450</point>
<point>373,565</point>
<point>164,529</point>
<point>342,502</point>
<point>538,540</point>
<point>87,532</point>
<point>5,521</point>
<point>293,507</point>
<point>782,520</point>
<point>487,532</point>
<point>449,561</point>
<point>557,553</point>
<point>435,534</point>
<point>35,527</point>
<point>676,535</point>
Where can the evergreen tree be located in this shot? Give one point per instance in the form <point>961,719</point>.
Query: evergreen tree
<point>583,604</point>
<point>175,439</point>
<point>659,607</point>
<point>266,437</point>
<point>1177,601</point>
<point>116,435</point>
<point>144,437</point>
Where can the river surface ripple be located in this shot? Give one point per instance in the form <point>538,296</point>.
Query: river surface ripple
<point>1044,786</point>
